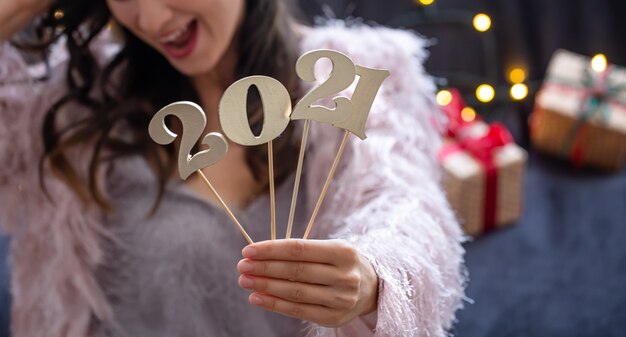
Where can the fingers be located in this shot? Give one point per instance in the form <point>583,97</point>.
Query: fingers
<point>325,282</point>
<point>314,273</point>
<point>309,312</point>
<point>334,252</point>
<point>293,291</point>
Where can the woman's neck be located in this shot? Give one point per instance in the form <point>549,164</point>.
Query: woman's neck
<point>231,176</point>
<point>211,85</point>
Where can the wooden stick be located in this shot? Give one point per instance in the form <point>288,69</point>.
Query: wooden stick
<point>296,186</point>
<point>230,214</point>
<point>326,184</point>
<point>270,156</point>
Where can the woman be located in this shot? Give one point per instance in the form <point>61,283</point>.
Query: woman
<point>107,242</point>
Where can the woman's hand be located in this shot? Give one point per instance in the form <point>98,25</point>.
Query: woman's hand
<point>15,15</point>
<point>325,282</point>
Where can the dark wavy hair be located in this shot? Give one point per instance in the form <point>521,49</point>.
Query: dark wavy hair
<point>135,83</point>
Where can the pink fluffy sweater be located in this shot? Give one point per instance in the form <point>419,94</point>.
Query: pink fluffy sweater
<point>386,199</point>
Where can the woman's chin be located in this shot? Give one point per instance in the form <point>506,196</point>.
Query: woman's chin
<point>190,69</point>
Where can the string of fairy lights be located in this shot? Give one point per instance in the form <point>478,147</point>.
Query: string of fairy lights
<point>485,93</point>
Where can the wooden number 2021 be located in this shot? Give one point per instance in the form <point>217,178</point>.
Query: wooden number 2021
<point>349,114</point>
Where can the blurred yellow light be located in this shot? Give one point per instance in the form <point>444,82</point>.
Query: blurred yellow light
<point>598,63</point>
<point>59,14</point>
<point>519,91</point>
<point>485,93</point>
<point>468,114</point>
<point>425,2</point>
<point>517,75</point>
<point>444,97</point>
<point>482,22</point>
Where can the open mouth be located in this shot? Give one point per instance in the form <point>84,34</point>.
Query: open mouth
<point>181,43</point>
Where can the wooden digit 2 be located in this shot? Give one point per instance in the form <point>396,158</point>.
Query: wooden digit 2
<point>193,120</point>
<point>233,115</point>
<point>348,114</point>
<point>340,78</point>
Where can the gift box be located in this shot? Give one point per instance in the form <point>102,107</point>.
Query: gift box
<point>483,170</point>
<point>580,113</point>
<point>483,177</point>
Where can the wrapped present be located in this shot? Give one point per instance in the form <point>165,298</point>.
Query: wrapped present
<point>580,113</point>
<point>483,177</point>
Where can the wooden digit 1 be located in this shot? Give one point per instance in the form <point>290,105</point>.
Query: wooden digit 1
<point>193,121</point>
<point>370,81</point>
<point>233,113</point>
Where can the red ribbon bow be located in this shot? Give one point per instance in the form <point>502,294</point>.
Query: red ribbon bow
<point>453,110</point>
<point>482,148</point>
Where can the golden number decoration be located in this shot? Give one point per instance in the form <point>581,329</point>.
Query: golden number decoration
<point>349,114</point>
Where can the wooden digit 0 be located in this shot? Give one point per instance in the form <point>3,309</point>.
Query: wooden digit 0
<point>233,110</point>
<point>233,113</point>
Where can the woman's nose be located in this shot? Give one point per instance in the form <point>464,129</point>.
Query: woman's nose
<point>153,15</point>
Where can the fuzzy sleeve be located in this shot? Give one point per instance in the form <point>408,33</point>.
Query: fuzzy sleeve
<point>55,246</point>
<point>386,196</point>
<point>23,104</point>
<point>18,148</point>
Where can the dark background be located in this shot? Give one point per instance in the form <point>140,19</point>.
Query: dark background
<point>524,34</point>
<point>527,31</point>
<point>561,270</point>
